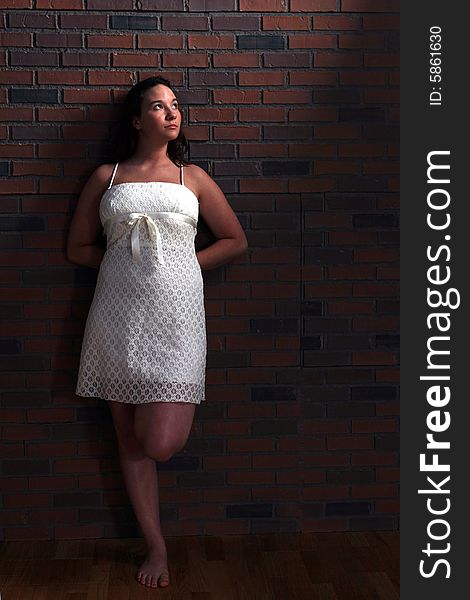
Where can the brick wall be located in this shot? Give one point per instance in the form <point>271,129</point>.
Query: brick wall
<point>292,107</point>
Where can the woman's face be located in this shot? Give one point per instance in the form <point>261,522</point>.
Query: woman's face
<point>159,116</point>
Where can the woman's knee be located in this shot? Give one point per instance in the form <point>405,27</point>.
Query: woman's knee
<point>161,449</point>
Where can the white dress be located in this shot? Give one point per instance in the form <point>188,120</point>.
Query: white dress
<point>145,335</point>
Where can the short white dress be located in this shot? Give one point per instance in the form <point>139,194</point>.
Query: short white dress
<point>145,335</point>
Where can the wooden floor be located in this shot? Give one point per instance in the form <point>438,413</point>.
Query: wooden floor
<point>295,566</point>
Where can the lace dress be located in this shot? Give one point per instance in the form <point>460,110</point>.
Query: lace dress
<point>145,335</point>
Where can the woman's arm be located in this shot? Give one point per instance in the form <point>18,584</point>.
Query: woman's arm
<point>82,248</point>
<point>221,220</point>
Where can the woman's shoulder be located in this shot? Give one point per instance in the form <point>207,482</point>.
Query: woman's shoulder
<point>195,171</point>
<point>101,175</point>
<point>104,171</point>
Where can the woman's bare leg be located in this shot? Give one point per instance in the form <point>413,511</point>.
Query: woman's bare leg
<point>147,433</point>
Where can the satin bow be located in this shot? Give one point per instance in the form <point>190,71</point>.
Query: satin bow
<point>134,222</point>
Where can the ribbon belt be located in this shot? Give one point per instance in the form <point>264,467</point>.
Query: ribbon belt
<point>134,219</point>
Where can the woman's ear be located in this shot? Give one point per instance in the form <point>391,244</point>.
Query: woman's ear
<point>136,123</point>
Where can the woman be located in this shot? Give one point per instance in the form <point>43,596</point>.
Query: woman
<point>144,345</point>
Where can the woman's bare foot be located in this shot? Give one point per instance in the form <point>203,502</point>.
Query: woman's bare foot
<point>154,572</point>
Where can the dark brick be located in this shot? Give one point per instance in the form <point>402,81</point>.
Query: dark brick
<point>388,307</point>
<point>35,132</point>
<point>325,358</point>
<point>287,132</point>
<point>312,307</point>
<point>347,508</point>
<point>80,431</point>
<point>275,393</point>
<point>312,342</point>
<point>387,442</point>
<point>350,201</point>
<point>218,359</point>
<point>93,414</point>
<point>274,167</point>
<point>33,96</point>
<point>183,462</point>
<point>376,220</point>
<point>106,515</point>
<point>52,275</point>
<point>77,499</point>
<point>387,341</point>
<point>361,115</point>
<point>133,22</point>
<point>25,362</point>
<point>313,509</point>
<point>22,223</point>
<point>273,526</point>
<point>10,240</point>
<point>350,476</point>
<point>312,410</point>
<point>373,392</point>
<point>325,325</point>
<point>209,446</point>
<point>331,394</point>
<point>270,326</point>
<point>346,342</point>
<point>362,183</point>
<point>25,399</point>
<point>260,42</point>
<point>374,524</point>
<point>388,237</point>
<point>201,480</point>
<point>277,427</point>
<point>10,347</point>
<point>237,511</point>
<point>337,96</point>
<point>208,150</point>
<point>4,168</point>
<point>351,409</point>
<point>26,467</point>
<point>388,132</point>
<point>287,309</point>
<point>335,256</point>
<point>10,312</point>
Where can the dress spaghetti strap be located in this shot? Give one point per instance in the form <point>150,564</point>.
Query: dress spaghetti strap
<point>114,173</point>
<point>182,178</point>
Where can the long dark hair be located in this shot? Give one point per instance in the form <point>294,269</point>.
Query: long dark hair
<point>125,138</point>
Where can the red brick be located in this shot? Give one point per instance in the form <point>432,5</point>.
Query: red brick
<point>312,41</point>
<point>263,6</point>
<point>338,492</point>
<point>236,60</point>
<point>285,23</point>
<point>366,6</point>
<point>373,490</point>
<point>336,22</point>
<point>313,5</point>
<point>110,41</point>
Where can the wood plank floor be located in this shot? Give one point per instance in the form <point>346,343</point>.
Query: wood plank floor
<point>287,566</point>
